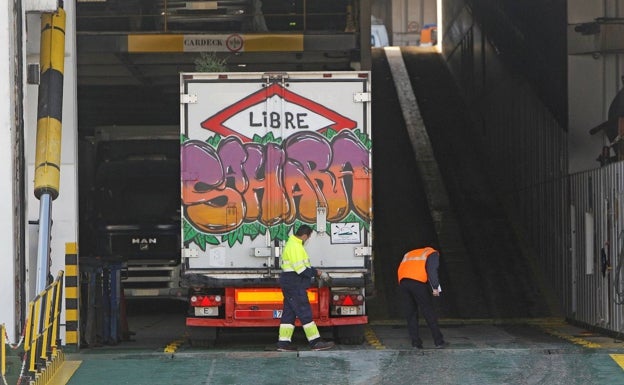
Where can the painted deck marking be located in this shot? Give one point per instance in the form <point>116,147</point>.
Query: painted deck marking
<point>619,359</point>
<point>372,339</point>
<point>173,346</point>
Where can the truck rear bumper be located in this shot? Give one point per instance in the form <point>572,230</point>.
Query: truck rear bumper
<point>233,323</point>
<point>173,293</point>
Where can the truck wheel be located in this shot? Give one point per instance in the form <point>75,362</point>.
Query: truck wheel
<point>202,337</point>
<point>349,335</point>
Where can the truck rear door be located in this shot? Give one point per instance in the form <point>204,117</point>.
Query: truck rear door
<point>262,154</point>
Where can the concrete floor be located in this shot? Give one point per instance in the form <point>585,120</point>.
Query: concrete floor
<point>481,351</point>
<point>539,351</point>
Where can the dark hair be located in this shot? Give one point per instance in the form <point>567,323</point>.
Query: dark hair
<point>304,230</point>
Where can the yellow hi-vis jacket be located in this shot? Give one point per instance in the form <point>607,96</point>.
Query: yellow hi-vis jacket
<point>294,257</point>
<point>413,264</point>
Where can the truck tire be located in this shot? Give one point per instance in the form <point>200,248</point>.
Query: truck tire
<point>349,335</point>
<point>202,337</point>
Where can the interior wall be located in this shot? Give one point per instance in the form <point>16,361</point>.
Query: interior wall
<point>593,82</point>
<point>523,113</point>
<point>7,164</point>
<point>519,129</point>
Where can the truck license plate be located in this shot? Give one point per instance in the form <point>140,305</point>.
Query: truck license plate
<point>206,311</point>
<point>277,313</point>
<point>348,310</point>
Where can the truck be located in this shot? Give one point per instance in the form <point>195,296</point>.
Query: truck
<point>134,209</point>
<point>260,155</point>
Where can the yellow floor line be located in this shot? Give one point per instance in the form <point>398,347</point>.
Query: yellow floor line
<point>574,340</point>
<point>619,359</point>
<point>173,346</point>
<point>64,373</point>
<point>550,326</point>
<point>372,339</point>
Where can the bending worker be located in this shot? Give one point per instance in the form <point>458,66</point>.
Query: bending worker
<point>297,274</point>
<point>418,279</point>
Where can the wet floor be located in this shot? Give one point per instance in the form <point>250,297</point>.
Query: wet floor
<point>480,352</point>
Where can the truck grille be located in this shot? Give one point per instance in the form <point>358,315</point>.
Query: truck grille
<point>150,277</point>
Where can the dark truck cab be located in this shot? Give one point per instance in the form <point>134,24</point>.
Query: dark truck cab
<point>137,207</point>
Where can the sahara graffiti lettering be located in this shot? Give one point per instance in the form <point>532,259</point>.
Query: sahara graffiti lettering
<point>272,184</point>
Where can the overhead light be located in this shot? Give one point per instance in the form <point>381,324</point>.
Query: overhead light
<point>202,5</point>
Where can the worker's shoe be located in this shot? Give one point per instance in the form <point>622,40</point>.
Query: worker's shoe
<point>319,344</point>
<point>286,347</point>
<point>441,345</point>
<point>417,344</point>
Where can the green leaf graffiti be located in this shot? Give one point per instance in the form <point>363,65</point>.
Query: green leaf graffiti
<point>364,139</point>
<point>268,138</point>
<point>330,133</point>
<point>191,235</point>
<point>279,232</point>
<point>214,140</point>
<point>353,217</point>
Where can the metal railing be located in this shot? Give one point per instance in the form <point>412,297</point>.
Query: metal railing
<point>42,354</point>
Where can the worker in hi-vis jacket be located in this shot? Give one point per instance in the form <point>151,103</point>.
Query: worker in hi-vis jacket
<point>418,279</point>
<point>297,275</point>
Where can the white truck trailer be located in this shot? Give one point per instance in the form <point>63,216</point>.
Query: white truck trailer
<point>262,154</point>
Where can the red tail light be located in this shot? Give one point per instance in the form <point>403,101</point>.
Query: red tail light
<point>206,300</point>
<point>347,299</point>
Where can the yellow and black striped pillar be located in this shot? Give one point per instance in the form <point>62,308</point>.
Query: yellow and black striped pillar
<point>50,104</point>
<point>72,296</point>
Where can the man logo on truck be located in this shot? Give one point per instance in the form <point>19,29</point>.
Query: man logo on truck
<point>144,241</point>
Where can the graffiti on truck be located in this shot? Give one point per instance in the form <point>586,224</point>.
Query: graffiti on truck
<point>237,185</point>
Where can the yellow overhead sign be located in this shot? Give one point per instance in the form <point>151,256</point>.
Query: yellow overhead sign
<point>142,43</point>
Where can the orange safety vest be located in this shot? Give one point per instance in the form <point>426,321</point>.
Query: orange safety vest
<point>413,264</point>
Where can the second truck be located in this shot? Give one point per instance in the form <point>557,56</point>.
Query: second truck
<point>262,154</point>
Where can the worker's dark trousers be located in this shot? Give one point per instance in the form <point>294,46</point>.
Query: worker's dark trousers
<point>296,303</point>
<point>417,296</point>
